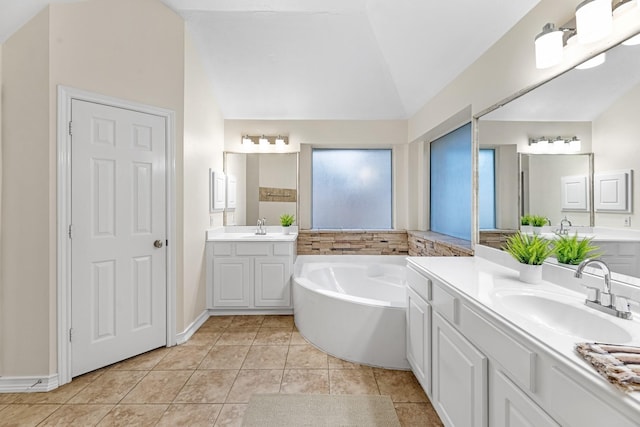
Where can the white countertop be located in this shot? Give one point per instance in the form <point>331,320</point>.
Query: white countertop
<point>248,234</point>
<point>479,280</point>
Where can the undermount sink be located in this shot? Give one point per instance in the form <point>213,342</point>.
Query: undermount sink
<point>561,314</point>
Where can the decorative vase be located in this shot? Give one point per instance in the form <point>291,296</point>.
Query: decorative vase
<point>526,229</point>
<point>536,230</point>
<point>285,230</point>
<point>530,273</point>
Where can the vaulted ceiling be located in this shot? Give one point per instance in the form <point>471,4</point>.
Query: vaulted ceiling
<point>328,59</point>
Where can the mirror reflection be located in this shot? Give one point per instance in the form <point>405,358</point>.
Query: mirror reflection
<point>266,186</point>
<point>598,105</point>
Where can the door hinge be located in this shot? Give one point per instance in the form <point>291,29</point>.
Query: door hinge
<point>70,128</point>
<point>70,334</point>
<point>70,231</point>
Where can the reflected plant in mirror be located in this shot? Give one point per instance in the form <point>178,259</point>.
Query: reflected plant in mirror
<point>572,250</point>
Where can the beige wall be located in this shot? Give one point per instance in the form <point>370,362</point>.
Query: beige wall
<point>26,239</point>
<point>133,50</point>
<point>615,147</point>
<point>203,147</point>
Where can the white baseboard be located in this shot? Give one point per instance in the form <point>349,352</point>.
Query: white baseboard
<point>241,312</point>
<point>184,336</point>
<point>28,384</point>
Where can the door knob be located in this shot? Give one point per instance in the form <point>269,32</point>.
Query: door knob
<point>158,243</point>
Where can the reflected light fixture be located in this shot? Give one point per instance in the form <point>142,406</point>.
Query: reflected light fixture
<point>625,7</point>
<point>594,20</point>
<point>265,140</point>
<point>548,46</point>
<point>560,144</point>
<point>593,62</point>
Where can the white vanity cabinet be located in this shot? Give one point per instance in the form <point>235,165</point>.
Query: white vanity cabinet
<point>251,276</point>
<point>484,370</point>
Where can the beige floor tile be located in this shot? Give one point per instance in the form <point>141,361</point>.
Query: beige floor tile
<point>182,358</point>
<point>273,336</point>
<point>77,415</point>
<point>237,337</point>
<point>109,387</point>
<point>189,414</point>
<point>203,339</point>
<point>297,339</point>
<point>143,362</point>
<point>307,381</point>
<point>266,357</point>
<point>225,357</point>
<point>306,357</point>
<point>336,363</point>
<point>134,415</point>
<point>247,321</point>
<point>231,415</point>
<point>417,415</point>
<point>352,381</point>
<point>252,381</point>
<point>25,414</point>
<point>216,324</point>
<point>402,386</point>
<point>60,395</point>
<point>3,405</point>
<point>277,321</point>
<point>207,386</point>
<point>158,387</point>
<point>9,397</point>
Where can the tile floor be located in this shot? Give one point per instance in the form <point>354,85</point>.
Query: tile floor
<point>208,381</point>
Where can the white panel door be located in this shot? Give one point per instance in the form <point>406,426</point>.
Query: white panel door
<point>118,210</point>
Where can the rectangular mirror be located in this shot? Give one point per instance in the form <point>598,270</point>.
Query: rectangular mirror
<point>598,106</point>
<point>266,186</point>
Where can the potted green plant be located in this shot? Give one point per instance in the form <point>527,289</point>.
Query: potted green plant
<point>286,220</point>
<point>525,223</point>
<point>530,252</point>
<point>571,250</point>
<point>538,222</point>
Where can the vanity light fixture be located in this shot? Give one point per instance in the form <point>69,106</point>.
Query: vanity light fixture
<point>265,140</point>
<point>548,46</point>
<point>625,7</point>
<point>594,20</point>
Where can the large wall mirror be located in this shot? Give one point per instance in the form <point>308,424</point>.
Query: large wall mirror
<point>600,107</point>
<point>266,186</point>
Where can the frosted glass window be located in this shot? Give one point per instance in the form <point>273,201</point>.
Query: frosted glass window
<point>451,183</point>
<point>487,189</point>
<point>351,189</point>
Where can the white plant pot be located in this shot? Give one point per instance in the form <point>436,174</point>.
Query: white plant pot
<point>537,230</point>
<point>286,230</point>
<point>530,273</point>
<point>526,229</point>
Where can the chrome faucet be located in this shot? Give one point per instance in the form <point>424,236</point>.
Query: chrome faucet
<point>261,229</point>
<point>563,229</point>
<point>604,301</point>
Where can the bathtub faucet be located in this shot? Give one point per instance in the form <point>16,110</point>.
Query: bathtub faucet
<point>261,230</point>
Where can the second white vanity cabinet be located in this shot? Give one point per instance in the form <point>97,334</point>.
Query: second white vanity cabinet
<point>480,369</point>
<point>251,276</point>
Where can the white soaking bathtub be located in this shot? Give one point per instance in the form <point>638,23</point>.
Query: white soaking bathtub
<point>353,307</point>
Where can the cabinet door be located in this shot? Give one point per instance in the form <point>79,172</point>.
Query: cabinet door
<point>272,282</point>
<point>511,407</point>
<point>232,282</point>
<point>419,338</point>
<point>459,377</point>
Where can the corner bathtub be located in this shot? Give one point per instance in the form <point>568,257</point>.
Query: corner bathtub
<point>353,307</point>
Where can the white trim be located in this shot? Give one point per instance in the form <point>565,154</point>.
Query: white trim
<point>252,311</point>
<point>28,384</point>
<point>185,335</point>
<point>63,191</point>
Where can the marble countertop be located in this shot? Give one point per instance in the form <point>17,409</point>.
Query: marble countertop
<point>248,234</point>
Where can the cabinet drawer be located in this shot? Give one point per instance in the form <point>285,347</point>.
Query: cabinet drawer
<point>252,248</point>
<point>419,283</point>
<point>445,303</point>
<point>283,249</point>
<point>516,359</point>
<point>222,249</point>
